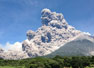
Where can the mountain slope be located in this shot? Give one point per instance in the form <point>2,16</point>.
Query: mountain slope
<point>81,46</point>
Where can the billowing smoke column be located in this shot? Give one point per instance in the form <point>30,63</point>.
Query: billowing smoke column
<point>46,38</point>
<point>48,16</point>
<point>30,34</point>
<point>1,50</point>
<point>53,33</point>
<point>53,19</point>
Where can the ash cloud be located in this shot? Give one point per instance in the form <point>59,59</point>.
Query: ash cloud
<point>54,33</point>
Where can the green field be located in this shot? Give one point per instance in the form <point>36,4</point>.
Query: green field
<point>6,67</point>
<point>11,67</point>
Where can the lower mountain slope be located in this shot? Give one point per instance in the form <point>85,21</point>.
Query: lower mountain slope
<point>81,46</point>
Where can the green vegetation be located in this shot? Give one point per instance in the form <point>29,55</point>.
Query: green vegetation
<point>56,62</point>
<point>6,67</point>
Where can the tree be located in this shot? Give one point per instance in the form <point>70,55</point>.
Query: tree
<point>75,63</point>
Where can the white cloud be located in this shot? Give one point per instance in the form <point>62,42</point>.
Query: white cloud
<point>87,33</point>
<point>17,46</point>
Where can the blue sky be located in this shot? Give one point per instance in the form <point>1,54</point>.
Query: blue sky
<point>18,16</point>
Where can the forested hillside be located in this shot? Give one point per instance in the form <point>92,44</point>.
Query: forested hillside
<point>55,62</point>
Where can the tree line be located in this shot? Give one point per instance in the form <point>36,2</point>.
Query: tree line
<point>55,62</point>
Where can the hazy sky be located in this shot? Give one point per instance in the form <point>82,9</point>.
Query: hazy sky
<point>18,16</point>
